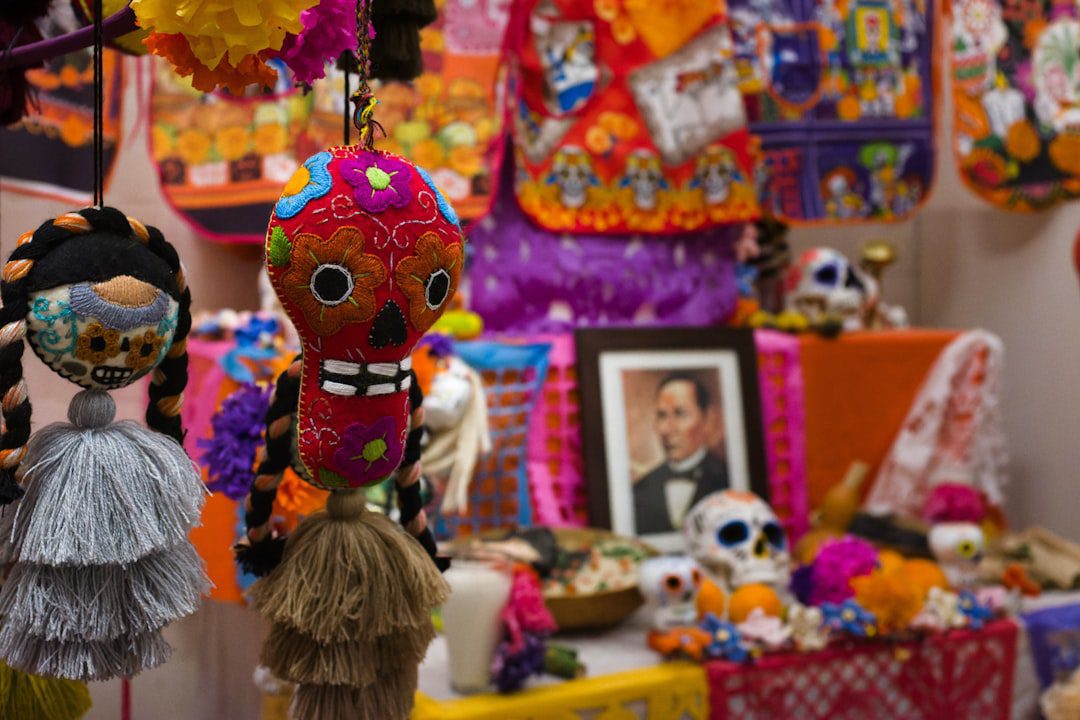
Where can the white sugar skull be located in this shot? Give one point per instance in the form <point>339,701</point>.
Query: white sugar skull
<point>824,282</point>
<point>958,548</point>
<point>670,584</point>
<point>737,539</point>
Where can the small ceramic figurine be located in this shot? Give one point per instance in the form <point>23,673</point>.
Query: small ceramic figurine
<point>737,539</point>
<point>956,538</point>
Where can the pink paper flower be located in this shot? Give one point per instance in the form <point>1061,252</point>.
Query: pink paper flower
<point>952,502</point>
<point>329,30</point>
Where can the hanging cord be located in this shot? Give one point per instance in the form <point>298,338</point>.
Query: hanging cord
<point>345,111</point>
<point>99,106</point>
<point>363,99</point>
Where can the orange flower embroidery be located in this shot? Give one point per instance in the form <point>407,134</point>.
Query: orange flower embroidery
<point>429,278</point>
<point>144,350</point>
<point>332,281</point>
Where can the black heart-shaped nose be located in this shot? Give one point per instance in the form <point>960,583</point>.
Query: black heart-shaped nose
<point>389,327</point>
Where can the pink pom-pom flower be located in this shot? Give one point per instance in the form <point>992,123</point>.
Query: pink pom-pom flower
<point>329,30</point>
<point>952,502</point>
<point>837,562</point>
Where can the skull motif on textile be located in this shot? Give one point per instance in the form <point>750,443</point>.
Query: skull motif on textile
<point>365,253</point>
<point>825,283</point>
<point>737,539</point>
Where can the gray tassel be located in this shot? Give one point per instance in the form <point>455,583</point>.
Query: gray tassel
<point>99,541</point>
<point>87,660</point>
<point>100,602</point>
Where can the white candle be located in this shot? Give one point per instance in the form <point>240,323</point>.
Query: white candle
<point>478,593</point>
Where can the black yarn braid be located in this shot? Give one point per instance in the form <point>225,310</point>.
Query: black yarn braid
<point>263,552</point>
<point>410,504</point>
<point>15,293</point>
<point>171,375</point>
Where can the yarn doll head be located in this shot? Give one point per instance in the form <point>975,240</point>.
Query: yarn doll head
<point>102,300</point>
<point>365,254</point>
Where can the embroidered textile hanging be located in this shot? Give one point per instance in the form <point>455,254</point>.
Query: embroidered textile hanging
<point>47,152</point>
<point>1016,99</point>
<point>446,121</point>
<point>841,94</point>
<point>222,159</point>
<point>627,117</point>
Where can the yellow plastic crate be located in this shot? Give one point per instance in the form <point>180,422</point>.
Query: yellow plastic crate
<point>673,691</point>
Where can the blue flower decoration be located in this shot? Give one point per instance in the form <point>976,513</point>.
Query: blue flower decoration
<point>310,181</point>
<point>851,618</point>
<point>726,642</point>
<point>445,207</point>
<point>976,613</point>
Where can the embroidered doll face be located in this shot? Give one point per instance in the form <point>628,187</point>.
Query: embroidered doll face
<point>365,254</point>
<point>106,320</point>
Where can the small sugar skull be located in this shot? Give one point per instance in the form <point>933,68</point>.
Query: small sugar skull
<point>108,332</point>
<point>670,585</point>
<point>365,253</point>
<point>572,171</point>
<point>824,282</point>
<point>737,539</point>
<point>645,178</point>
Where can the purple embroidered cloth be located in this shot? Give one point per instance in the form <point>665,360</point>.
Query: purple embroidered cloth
<point>525,280</point>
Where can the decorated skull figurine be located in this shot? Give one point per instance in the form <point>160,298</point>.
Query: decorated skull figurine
<point>366,254</point>
<point>670,585</point>
<point>825,283</point>
<point>737,539</point>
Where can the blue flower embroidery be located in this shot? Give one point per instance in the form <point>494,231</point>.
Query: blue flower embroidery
<point>310,181</point>
<point>725,642</point>
<point>445,207</point>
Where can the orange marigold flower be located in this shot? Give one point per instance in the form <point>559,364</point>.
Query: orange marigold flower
<point>332,281</point>
<point>232,142</point>
<point>270,138</point>
<point>893,601</point>
<point>429,278</point>
<point>623,30</point>
<point>597,140</point>
<point>606,10</point>
<point>252,70</point>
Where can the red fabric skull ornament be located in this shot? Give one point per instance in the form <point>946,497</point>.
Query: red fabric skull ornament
<point>365,253</point>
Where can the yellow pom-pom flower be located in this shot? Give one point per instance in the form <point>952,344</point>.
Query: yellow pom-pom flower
<point>230,29</point>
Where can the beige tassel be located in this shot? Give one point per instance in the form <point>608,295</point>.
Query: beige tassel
<point>350,612</point>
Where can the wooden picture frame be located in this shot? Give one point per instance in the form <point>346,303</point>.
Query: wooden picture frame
<point>667,416</point>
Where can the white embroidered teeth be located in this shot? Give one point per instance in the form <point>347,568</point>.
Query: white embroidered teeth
<point>340,377</point>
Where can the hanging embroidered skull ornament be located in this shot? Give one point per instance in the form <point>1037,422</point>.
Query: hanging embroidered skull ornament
<point>365,253</point>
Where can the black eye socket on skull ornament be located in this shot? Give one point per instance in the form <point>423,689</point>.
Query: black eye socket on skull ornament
<point>733,533</point>
<point>331,284</point>
<point>437,288</point>
<point>774,534</point>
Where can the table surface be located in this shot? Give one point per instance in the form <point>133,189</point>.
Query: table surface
<point>622,649</point>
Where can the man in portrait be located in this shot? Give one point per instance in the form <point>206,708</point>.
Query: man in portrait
<point>690,469</point>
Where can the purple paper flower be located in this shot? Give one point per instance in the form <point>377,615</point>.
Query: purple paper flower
<point>379,182</point>
<point>369,453</point>
<point>229,455</point>
<point>329,30</point>
<point>510,669</point>
<point>438,345</point>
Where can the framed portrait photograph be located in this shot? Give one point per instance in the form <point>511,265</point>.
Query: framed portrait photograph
<point>669,415</point>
